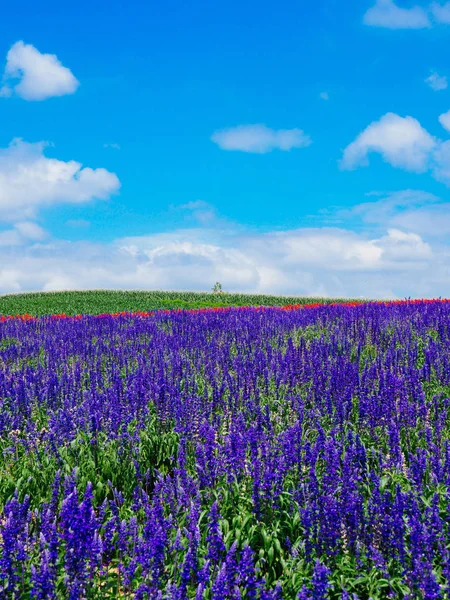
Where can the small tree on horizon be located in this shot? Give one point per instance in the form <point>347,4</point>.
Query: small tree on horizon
<point>217,288</point>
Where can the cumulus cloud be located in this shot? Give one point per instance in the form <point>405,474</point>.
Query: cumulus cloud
<point>260,139</point>
<point>401,141</point>
<point>404,246</point>
<point>40,76</point>
<point>444,120</point>
<point>441,12</point>
<point>339,249</point>
<point>29,180</point>
<point>437,82</point>
<point>385,13</point>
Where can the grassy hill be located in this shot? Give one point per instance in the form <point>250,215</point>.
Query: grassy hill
<point>109,301</point>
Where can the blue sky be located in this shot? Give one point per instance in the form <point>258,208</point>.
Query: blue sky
<point>288,148</point>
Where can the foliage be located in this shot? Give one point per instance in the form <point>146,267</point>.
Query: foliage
<point>217,288</point>
<point>109,301</point>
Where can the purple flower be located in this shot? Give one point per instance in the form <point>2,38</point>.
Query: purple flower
<point>216,547</point>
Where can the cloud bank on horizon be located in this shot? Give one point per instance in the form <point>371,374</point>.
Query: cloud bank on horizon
<point>322,261</point>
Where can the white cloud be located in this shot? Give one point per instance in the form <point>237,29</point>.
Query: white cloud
<point>324,96</point>
<point>388,257</point>
<point>10,237</point>
<point>441,12</point>
<point>30,180</point>
<point>202,211</point>
<point>338,249</point>
<point>431,221</point>
<point>41,76</point>
<point>30,231</point>
<point>22,233</point>
<point>441,167</point>
<point>401,141</point>
<point>404,246</point>
<point>259,139</point>
<point>394,246</point>
<point>444,120</point>
<point>114,146</point>
<point>385,13</point>
<point>5,91</point>
<point>389,206</point>
<point>205,216</point>
<point>437,82</point>
<point>415,211</point>
<point>9,280</point>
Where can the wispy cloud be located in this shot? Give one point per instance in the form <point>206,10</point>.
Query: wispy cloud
<point>114,146</point>
<point>441,12</point>
<point>441,166</point>
<point>78,223</point>
<point>324,96</point>
<point>260,139</point>
<point>437,82</point>
<point>23,232</point>
<point>203,212</point>
<point>408,210</point>
<point>385,13</point>
<point>40,76</point>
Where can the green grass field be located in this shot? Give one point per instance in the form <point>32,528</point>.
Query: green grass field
<point>109,301</point>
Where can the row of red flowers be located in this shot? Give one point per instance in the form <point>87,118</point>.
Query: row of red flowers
<point>28,317</point>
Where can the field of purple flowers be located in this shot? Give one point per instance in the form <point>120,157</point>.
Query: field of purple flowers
<point>254,454</point>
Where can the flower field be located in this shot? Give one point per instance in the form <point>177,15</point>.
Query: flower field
<point>242,453</point>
